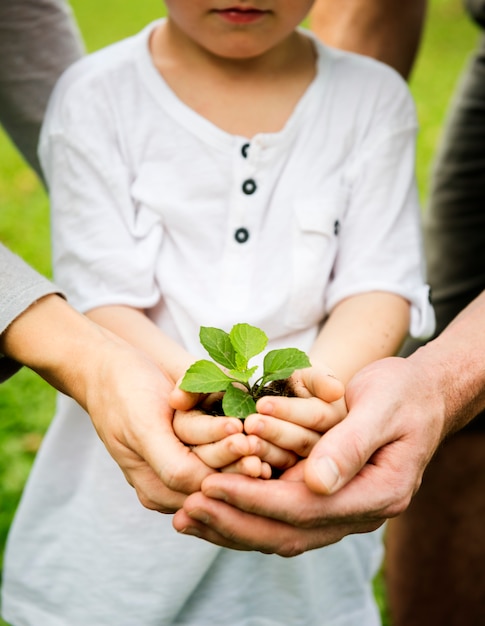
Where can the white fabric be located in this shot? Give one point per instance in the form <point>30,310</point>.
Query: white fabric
<point>146,198</point>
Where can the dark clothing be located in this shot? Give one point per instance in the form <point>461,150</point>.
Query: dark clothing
<point>454,223</point>
<point>436,548</point>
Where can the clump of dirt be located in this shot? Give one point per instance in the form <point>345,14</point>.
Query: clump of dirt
<point>278,388</point>
<point>283,388</point>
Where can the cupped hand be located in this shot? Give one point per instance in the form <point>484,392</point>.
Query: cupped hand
<point>127,397</point>
<point>220,443</point>
<point>297,423</point>
<point>363,470</point>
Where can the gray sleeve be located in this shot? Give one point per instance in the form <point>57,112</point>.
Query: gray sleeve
<point>39,39</point>
<point>20,286</point>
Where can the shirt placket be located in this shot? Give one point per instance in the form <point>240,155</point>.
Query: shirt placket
<point>245,197</point>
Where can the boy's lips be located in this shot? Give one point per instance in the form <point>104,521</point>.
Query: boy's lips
<point>241,14</point>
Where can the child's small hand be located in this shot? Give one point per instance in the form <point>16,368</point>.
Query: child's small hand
<point>219,442</point>
<point>296,423</point>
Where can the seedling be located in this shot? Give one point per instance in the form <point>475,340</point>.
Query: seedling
<point>233,352</point>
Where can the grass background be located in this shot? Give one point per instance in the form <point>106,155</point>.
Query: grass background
<point>26,402</point>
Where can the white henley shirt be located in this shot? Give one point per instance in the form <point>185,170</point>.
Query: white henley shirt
<point>155,207</point>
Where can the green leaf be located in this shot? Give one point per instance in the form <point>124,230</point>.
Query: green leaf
<point>218,344</point>
<point>241,362</point>
<point>204,377</point>
<point>280,364</point>
<point>237,403</point>
<point>243,377</point>
<point>248,341</point>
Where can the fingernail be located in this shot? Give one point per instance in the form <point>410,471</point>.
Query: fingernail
<point>327,471</point>
<point>216,494</point>
<point>257,428</point>
<point>200,516</point>
<point>190,530</point>
<point>230,428</point>
<point>266,406</point>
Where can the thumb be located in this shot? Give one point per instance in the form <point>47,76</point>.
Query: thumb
<point>181,400</point>
<point>338,456</point>
<point>320,383</point>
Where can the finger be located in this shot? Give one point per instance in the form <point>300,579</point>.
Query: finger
<point>172,462</point>
<point>388,477</point>
<point>368,499</point>
<point>318,382</point>
<point>185,525</point>
<point>225,525</point>
<point>249,466</point>
<point>311,413</point>
<point>152,493</point>
<point>158,484</point>
<point>273,455</point>
<point>284,435</point>
<point>196,427</point>
<point>341,454</point>
<point>225,452</point>
<point>183,400</point>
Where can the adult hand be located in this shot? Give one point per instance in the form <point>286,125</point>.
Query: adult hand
<point>124,392</point>
<point>363,471</point>
<point>127,399</point>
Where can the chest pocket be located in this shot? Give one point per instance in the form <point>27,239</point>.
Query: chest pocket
<point>315,242</point>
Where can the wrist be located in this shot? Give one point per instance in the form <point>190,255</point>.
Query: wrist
<point>454,379</point>
<point>57,342</point>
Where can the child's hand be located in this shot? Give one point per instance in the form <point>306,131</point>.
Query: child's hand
<point>282,432</point>
<point>221,444</point>
<point>217,440</point>
<point>297,423</point>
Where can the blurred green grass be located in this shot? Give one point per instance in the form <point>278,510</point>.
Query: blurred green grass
<point>26,402</point>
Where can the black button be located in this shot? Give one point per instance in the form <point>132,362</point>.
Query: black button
<point>336,228</point>
<point>249,186</point>
<point>244,150</point>
<point>241,235</point>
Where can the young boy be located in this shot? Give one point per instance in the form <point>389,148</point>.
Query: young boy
<point>222,166</point>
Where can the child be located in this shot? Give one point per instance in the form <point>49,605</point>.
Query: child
<point>222,166</point>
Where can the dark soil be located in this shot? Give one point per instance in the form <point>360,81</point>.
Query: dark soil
<point>274,388</point>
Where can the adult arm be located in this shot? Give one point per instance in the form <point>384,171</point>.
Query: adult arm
<point>388,30</point>
<point>20,286</point>
<point>124,392</point>
<point>365,469</point>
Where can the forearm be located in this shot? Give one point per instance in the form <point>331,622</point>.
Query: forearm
<point>361,329</point>
<point>20,286</point>
<point>388,30</point>
<point>453,365</point>
<point>139,331</point>
<point>122,389</point>
<point>58,343</point>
